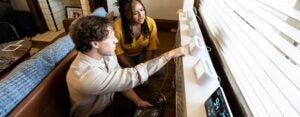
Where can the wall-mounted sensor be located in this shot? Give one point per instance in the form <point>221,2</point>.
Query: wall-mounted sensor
<point>195,47</point>
<point>204,71</point>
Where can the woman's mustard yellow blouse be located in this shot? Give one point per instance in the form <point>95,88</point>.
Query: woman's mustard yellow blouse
<point>138,45</point>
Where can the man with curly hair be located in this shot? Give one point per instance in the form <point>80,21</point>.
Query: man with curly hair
<point>95,74</point>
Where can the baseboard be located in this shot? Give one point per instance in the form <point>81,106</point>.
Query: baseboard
<point>166,25</point>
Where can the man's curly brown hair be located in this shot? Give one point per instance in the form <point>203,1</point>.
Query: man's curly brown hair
<point>88,29</point>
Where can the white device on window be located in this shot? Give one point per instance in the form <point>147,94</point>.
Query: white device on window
<point>195,47</point>
<point>216,105</point>
<point>204,71</point>
<point>190,17</point>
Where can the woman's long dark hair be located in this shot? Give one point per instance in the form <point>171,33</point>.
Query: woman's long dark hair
<point>126,28</point>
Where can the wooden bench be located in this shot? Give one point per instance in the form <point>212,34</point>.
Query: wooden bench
<point>259,52</point>
<point>51,97</point>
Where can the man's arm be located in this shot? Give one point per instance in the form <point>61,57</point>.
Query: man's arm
<point>128,78</point>
<point>131,95</point>
<point>155,64</point>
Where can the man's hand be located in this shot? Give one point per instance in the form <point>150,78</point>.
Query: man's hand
<point>130,94</point>
<point>181,51</point>
<point>143,103</point>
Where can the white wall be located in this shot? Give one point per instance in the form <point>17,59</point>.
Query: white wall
<point>19,5</point>
<point>163,9</point>
<point>158,9</point>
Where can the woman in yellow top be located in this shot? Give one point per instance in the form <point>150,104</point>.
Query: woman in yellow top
<point>136,34</point>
